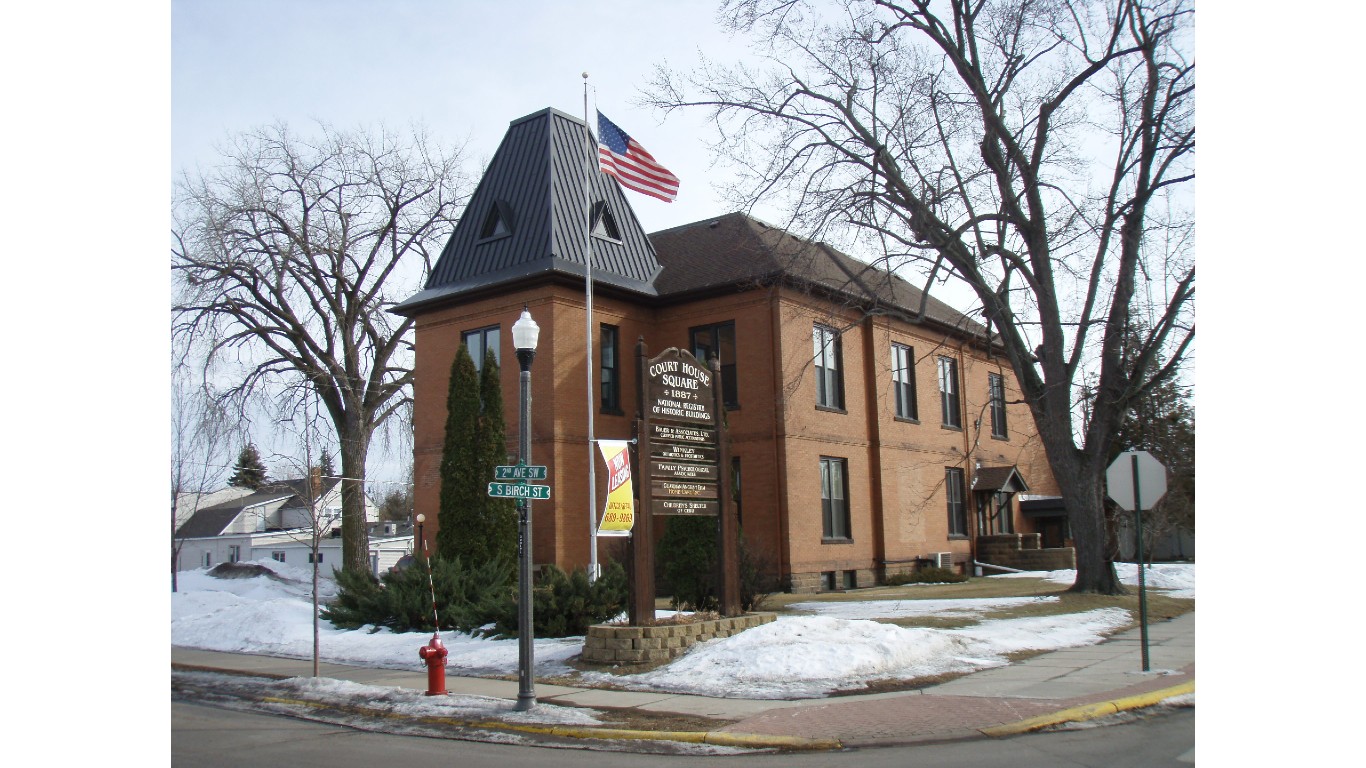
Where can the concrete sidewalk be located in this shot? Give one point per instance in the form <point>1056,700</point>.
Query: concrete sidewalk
<point>1066,682</point>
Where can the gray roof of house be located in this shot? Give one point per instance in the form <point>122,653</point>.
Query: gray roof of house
<point>536,183</point>
<point>736,251</point>
<point>211,520</point>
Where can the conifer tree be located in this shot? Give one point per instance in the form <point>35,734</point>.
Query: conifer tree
<point>461,491</point>
<point>499,523</point>
<point>249,472</point>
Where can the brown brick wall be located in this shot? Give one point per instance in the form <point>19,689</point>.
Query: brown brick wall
<point>895,467</point>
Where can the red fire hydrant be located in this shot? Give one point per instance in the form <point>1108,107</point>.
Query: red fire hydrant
<point>434,654</point>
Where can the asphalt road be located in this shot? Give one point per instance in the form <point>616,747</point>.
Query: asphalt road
<point>208,737</point>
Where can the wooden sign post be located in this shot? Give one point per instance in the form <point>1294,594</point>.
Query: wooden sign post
<point>684,453</point>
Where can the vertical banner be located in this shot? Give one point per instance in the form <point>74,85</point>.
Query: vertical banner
<point>618,514</point>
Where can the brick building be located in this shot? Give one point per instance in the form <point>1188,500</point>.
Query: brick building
<point>868,432</point>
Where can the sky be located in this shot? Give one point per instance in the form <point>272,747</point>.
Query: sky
<point>464,69</point>
<point>839,646</point>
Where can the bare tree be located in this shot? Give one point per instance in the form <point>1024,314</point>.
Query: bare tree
<point>286,256</point>
<point>1039,152</point>
<point>200,432</point>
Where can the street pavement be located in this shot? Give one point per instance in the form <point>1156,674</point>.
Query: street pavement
<point>1069,684</point>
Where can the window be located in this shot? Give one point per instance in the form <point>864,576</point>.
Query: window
<point>498,222</point>
<point>828,581</point>
<point>958,513</point>
<point>604,224</point>
<point>611,375</point>
<point>208,559</point>
<point>948,392</point>
<point>477,342</point>
<point>278,557</point>
<point>851,580</point>
<point>310,557</point>
<point>234,553</point>
<point>834,499</point>
<point>829,387</point>
<point>996,393</point>
<point>903,381</point>
<point>718,341</point>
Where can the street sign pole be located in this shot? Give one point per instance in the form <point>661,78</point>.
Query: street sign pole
<point>1142,582</point>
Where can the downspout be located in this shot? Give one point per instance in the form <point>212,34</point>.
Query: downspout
<point>968,466</point>
<point>874,416</point>
<point>779,430</point>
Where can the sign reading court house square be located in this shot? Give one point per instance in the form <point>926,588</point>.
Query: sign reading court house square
<point>679,388</point>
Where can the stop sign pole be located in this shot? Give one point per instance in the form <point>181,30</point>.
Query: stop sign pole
<point>1124,486</point>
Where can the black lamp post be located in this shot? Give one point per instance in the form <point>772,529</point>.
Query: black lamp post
<point>525,333</point>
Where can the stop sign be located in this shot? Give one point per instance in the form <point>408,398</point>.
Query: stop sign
<point>1136,471</point>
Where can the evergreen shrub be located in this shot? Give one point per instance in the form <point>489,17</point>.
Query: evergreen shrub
<point>403,601</point>
<point>564,604</point>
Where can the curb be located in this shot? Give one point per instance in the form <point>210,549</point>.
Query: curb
<point>714,738</point>
<point>1089,711</point>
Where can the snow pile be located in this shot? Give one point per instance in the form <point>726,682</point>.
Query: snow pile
<point>401,701</point>
<point>809,657</point>
<point>793,657</point>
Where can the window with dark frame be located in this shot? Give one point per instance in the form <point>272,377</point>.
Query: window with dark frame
<point>903,381</point>
<point>480,340</point>
<point>948,392</point>
<point>718,340</point>
<point>604,224</point>
<point>834,499</point>
<point>310,557</point>
<point>611,375</point>
<point>953,491</point>
<point>278,557</point>
<point>996,393</point>
<point>826,351</point>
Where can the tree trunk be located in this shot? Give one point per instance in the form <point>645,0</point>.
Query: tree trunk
<point>355,535</point>
<point>1081,481</point>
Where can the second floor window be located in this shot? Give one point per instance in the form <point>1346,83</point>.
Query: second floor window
<point>948,392</point>
<point>611,375</point>
<point>718,341</point>
<point>826,349</point>
<point>478,342</point>
<point>903,381</point>
<point>996,393</point>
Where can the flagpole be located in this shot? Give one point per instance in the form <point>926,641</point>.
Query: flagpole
<point>588,334</point>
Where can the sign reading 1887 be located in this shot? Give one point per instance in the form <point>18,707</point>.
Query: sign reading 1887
<point>680,389</point>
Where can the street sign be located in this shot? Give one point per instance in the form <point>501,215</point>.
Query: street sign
<point>518,491</point>
<point>519,472</point>
<point>1146,474</point>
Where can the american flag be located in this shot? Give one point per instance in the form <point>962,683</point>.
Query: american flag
<point>624,158</point>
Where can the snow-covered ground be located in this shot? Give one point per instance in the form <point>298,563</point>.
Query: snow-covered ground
<point>797,656</point>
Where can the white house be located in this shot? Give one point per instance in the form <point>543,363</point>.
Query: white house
<point>277,522</point>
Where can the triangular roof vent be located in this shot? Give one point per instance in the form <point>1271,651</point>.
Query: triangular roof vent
<point>498,222</point>
<point>604,224</point>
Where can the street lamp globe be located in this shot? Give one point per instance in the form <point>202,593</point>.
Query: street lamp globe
<point>525,332</point>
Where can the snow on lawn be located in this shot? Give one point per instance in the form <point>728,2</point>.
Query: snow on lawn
<point>900,609</point>
<point>793,657</point>
<point>1177,578</point>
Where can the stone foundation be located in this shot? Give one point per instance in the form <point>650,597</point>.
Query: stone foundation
<point>612,644</point>
<point>1023,551</point>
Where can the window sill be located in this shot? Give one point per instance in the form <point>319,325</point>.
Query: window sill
<point>830,409</point>
<point>483,240</point>
<point>826,540</point>
<point>958,537</point>
<point>906,419</point>
<point>1002,438</point>
<point>950,427</point>
<point>612,412</point>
